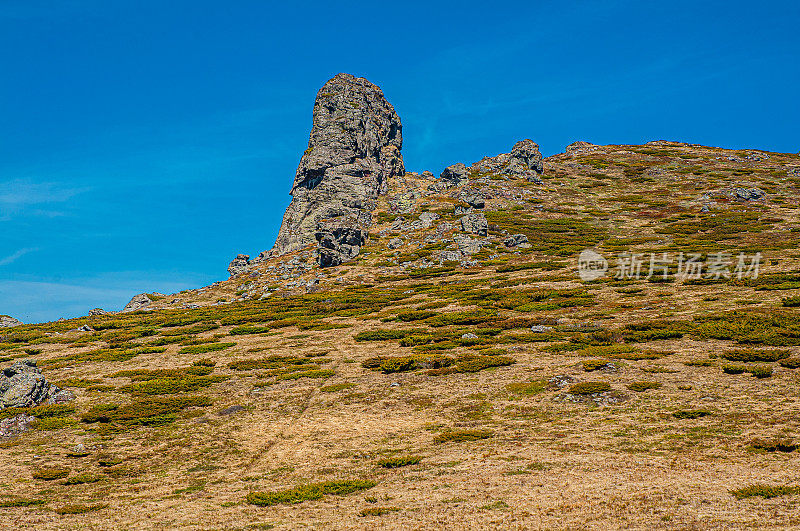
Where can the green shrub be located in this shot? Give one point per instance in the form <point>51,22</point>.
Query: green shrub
<point>80,508</point>
<point>397,462</point>
<point>748,355</point>
<point>21,502</point>
<point>51,410</point>
<point>209,347</point>
<point>54,423</point>
<point>761,371</point>
<point>150,411</point>
<point>381,335</point>
<point>790,363</point>
<point>81,479</point>
<point>336,387</point>
<point>643,386</point>
<point>791,302</point>
<point>246,330</point>
<point>321,373</point>
<point>774,445</point>
<point>271,362</point>
<point>527,388</point>
<point>398,364</point>
<point>764,491</point>
<point>479,363</point>
<point>594,364</point>
<point>50,474</point>
<point>691,414</point>
<point>589,388</point>
<point>462,436</point>
<point>313,491</point>
<point>734,369</point>
<point>378,511</point>
<point>166,386</point>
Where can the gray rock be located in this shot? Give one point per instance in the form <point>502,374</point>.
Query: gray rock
<point>353,151</point>
<point>427,218</point>
<point>97,311</point>
<point>138,302</point>
<point>338,244</point>
<point>455,173</point>
<point>85,328</point>
<point>24,386</point>
<point>525,155</point>
<point>473,199</point>
<point>579,147</point>
<point>13,426</point>
<point>469,335</point>
<point>239,264</point>
<point>748,194</point>
<point>475,223</point>
<point>395,243</point>
<point>6,321</point>
<point>541,329</point>
<point>515,240</point>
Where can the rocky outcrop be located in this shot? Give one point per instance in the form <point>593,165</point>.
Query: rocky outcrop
<point>475,223</point>
<point>239,264</point>
<point>23,385</point>
<point>6,321</point>
<point>97,311</point>
<point>524,162</point>
<point>353,150</point>
<point>138,302</point>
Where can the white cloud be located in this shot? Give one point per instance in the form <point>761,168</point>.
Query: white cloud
<point>18,254</point>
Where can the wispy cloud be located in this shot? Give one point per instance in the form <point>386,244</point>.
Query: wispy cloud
<point>22,192</point>
<point>16,255</point>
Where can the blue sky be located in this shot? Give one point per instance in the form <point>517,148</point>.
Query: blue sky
<point>143,144</point>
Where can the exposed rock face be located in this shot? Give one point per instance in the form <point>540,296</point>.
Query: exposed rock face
<point>6,321</point>
<point>475,223</point>
<point>138,302</point>
<point>97,311</point>
<point>23,385</point>
<point>353,149</point>
<point>239,264</point>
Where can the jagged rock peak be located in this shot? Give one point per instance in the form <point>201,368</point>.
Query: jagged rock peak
<point>353,149</point>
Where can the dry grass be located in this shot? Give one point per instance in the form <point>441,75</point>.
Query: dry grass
<point>452,431</point>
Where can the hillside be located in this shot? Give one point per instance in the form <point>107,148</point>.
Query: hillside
<point>454,369</point>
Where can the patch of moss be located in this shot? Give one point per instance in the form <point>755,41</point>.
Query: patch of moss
<point>462,436</point>
<point>589,388</point>
<point>77,508</point>
<point>643,386</point>
<point>313,491</point>
<point>397,462</point>
<point>764,491</point>
<point>50,474</point>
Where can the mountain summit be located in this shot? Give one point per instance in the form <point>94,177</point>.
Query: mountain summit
<point>353,150</point>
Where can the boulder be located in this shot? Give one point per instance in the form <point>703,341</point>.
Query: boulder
<point>338,244</point>
<point>22,385</point>
<point>748,194</point>
<point>515,240</point>
<point>138,302</point>
<point>239,264</point>
<point>97,311</point>
<point>395,243</point>
<point>475,223</point>
<point>353,151</point>
<point>455,173</point>
<point>6,321</point>
<point>13,426</point>
<point>473,199</point>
